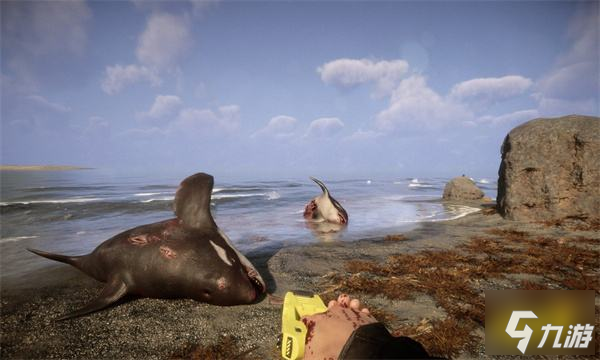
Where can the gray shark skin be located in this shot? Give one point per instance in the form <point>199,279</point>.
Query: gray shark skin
<point>185,257</point>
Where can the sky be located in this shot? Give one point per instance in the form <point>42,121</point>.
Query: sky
<point>278,90</point>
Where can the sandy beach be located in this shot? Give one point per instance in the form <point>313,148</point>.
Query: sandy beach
<point>161,329</point>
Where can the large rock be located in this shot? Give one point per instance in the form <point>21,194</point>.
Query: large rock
<point>462,188</point>
<point>550,170</point>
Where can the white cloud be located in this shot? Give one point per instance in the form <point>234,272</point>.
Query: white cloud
<point>36,35</point>
<point>324,127</point>
<point>512,118</point>
<point>42,27</point>
<point>164,41</point>
<point>193,120</point>
<point>414,105</point>
<point>346,73</point>
<point>143,133</point>
<point>189,121</point>
<point>571,86</point>
<point>583,30</point>
<point>566,82</point>
<point>363,135</point>
<point>117,77</point>
<point>560,107</point>
<point>163,105</point>
<point>490,90</point>
<point>97,121</point>
<point>45,104</point>
<point>201,91</point>
<point>279,127</point>
<point>199,7</point>
<point>97,127</point>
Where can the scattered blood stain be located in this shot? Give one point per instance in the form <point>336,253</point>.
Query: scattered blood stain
<point>170,227</point>
<point>167,252</point>
<point>356,314</point>
<point>310,329</point>
<point>309,210</point>
<point>221,283</point>
<point>143,239</point>
<point>347,316</point>
<point>154,238</point>
<point>138,240</point>
<point>343,303</point>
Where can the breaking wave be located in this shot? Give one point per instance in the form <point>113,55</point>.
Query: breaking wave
<point>16,238</point>
<point>51,201</point>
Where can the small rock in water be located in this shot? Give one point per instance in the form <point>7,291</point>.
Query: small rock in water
<point>462,188</point>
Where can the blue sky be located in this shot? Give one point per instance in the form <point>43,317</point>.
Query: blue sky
<point>288,89</point>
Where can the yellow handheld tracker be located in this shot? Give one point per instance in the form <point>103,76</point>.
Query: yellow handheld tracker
<point>296,305</point>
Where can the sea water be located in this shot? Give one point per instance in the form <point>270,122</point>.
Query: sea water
<point>72,212</point>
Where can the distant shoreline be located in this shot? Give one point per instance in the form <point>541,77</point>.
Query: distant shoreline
<point>41,168</point>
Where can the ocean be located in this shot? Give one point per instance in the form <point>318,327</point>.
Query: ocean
<point>72,212</point>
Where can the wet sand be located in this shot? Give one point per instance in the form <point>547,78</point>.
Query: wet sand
<point>160,329</point>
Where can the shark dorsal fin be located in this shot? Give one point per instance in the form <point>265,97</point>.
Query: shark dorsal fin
<point>192,201</point>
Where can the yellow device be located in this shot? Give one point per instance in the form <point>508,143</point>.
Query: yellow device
<point>297,304</point>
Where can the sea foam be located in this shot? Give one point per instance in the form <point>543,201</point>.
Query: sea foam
<point>48,201</point>
<point>16,238</point>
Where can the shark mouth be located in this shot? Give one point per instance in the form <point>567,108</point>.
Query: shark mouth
<point>256,280</point>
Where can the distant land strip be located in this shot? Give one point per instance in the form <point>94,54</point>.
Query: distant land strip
<point>41,168</point>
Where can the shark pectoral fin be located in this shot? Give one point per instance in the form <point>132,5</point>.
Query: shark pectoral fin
<point>114,290</point>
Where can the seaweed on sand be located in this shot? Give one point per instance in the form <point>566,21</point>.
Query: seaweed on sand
<point>227,348</point>
<point>574,223</point>
<point>447,336</point>
<point>456,280</point>
<point>395,237</point>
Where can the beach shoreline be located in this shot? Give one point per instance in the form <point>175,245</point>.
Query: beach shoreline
<point>42,168</point>
<point>158,329</point>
